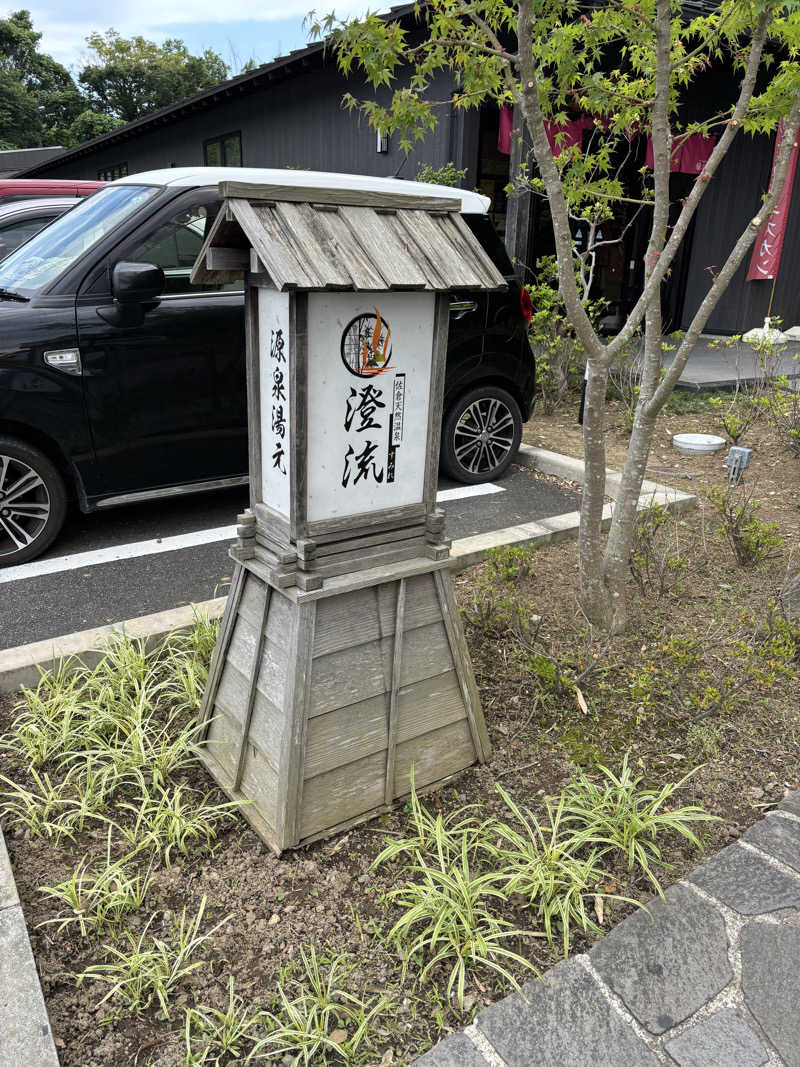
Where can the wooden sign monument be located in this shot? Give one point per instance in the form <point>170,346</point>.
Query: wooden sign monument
<point>341,660</point>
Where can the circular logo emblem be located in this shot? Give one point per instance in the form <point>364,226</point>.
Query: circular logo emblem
<point>366,348</point>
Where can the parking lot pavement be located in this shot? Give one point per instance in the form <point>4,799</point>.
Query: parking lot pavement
<point>120,564</point>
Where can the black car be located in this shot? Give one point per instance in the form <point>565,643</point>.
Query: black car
<point>104,408</point>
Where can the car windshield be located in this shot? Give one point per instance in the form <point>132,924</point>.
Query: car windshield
<point>41,259</point>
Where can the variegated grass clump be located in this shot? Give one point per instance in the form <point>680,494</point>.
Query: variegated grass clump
<point>110,747</point>
<point>460,873</point>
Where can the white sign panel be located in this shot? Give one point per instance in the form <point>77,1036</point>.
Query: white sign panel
<point>369,368</point>
<point>274,359</point>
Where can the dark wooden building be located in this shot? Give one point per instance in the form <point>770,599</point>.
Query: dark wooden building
<point>288,113</point>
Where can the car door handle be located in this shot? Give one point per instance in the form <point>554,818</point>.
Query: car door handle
<point>459,308</point>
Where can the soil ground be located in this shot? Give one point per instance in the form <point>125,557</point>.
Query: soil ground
<point>695,683</point>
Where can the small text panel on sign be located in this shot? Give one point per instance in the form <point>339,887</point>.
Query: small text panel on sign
<point>274,359</point>
<point>369,366</point>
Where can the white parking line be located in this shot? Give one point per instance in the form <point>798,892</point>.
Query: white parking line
<point>114,553</point>
<point>155,546</point>
<point>462,491</point>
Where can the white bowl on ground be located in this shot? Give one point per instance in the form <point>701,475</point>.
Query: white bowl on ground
<point>697,444</point>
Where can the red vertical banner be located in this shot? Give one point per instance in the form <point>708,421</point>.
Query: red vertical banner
<point>766,256</point>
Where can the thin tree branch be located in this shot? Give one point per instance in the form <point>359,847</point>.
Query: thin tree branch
<point>532,113</point>
<point>733,261</point>
<point>659,269</point>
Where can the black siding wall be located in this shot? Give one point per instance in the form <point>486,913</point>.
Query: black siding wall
<point>298,122</point>
<point>732,199</point>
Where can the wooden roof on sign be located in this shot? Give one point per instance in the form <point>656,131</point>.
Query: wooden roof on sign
<point>313,239</point>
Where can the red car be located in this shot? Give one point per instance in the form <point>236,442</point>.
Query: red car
<point>34,188</point>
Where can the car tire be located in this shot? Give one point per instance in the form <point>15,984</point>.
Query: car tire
<point>481,433</point>
<point>33,501</point>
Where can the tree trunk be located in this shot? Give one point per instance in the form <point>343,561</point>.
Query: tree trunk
<point>594,595</point>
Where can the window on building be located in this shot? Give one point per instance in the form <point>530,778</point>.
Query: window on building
<point>224,151</point>
<point>110,174</point>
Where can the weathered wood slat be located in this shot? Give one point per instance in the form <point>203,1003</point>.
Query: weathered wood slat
<point>292,243</point>
<point>455,633</point>
<point>299,707</point>
<point>298,220</point>
<point>397,665</point>
<point>232,259</point>
<point>356,673</point>
<point>429,704</point>
<point>426,654</point>
<point>312,195</point>
<point>253,691</point>
<point>252,359</point>
<point>273,663</point>
<point>441,325</point>
<point>434,755</point>
<point>356,260</point>
<point>377,556</point>
<point>280,614</point>
<point>391,246</point>
<point>223,641</point>
<point>223,232</point>
<point>251,605</point>
<point>281,265</point>
<point>369,614</point>
<point>342,794</point>
<point>466,241</point>
<point>259,779</point>
<point>362,541</point>
<point>346,735</point>
<point>443,269</point>
<point>387,519</point>
<point>350,676</point>
<point>266,724</point>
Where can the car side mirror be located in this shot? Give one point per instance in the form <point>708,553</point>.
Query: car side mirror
<point>136,288</point>
<point>137,283</point>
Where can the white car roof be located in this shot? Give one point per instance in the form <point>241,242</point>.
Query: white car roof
<point>195,177</point>
<point>12,207</point>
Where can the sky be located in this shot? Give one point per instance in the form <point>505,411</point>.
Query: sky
<point>237,29</point>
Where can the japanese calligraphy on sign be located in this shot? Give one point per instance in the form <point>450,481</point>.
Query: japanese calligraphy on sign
<point>368,401</point>
<point>275,401</point>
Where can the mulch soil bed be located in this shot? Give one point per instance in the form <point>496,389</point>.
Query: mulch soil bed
<point>693,683</point>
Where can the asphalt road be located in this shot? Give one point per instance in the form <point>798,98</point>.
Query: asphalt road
<point>120,564</point>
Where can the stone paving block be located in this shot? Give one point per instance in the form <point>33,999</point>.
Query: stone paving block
<point>455,1051</point>
<point>791,803</point>
<point>8,890</point>
<point>725,1038</point>
<point>566,1021</point>
<point>779,837</point>
<point>25,1036</point>
<point>771,984</point>
<point>666,964</point>
<point>746,882</point>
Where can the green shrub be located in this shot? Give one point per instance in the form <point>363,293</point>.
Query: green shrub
<point>751,539</point>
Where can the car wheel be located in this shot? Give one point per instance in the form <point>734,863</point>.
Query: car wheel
<point>33,501</point>
<point>481,435</point>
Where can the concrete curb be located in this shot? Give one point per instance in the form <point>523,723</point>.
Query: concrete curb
<point>26,1039</point>
<point>22,665</point>
<point>471,550</point>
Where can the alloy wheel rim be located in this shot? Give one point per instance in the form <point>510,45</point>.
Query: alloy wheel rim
<point>484,435</point>
<point>24,505</point>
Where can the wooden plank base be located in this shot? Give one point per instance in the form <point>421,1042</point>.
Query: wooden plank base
<point>317,709</point>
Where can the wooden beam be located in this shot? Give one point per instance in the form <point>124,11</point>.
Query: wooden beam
<point>397,667</point>
<point>352,197</point>
<point>227,259</point>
